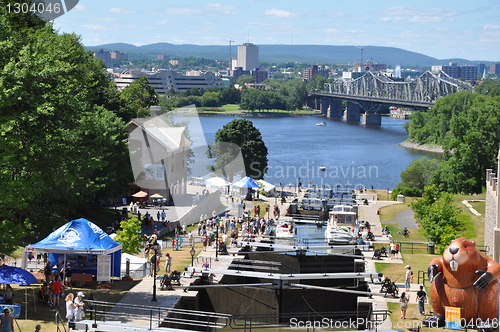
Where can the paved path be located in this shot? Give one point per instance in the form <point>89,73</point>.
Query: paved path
<point>141,294</point>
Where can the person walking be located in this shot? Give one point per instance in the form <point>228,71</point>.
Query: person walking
<point>56,287</point>
<point>79,305</point>
<point>421,300</point>
<point>70,307</point>
<point>408,276</point>
<point>7,322</point>
<point>404,305</point>
<point>168,263</point>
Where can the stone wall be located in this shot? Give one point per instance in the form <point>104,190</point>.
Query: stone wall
<point>491,214</point>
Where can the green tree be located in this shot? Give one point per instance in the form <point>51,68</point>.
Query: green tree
<point>415,177</point>
<point>61,146</point>
<point>438,216</point>
<point>316,83</point>
<point>243,79</point>
<point>137,98</point>
<point>211,99</point>
<point>130,236</point>
<point>241,133</point>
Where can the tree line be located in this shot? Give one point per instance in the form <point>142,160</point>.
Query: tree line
<point>467,126</point>
<point>63,128</point>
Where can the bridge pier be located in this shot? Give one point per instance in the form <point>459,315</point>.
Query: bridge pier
<point>335,110</point>
<point>325,103</point>
<point>371,119</point>
<point>353,111</point>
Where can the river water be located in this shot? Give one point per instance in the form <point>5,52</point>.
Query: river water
<point>352,154</point>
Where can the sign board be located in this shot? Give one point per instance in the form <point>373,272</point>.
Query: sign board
<point>453,318</point>
<point>15,309</point>
<point>103,267</point>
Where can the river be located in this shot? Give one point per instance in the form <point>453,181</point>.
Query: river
<point>352,154</point>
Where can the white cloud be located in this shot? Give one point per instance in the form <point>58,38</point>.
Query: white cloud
<point>80,8</point>
<point>116,10</point>
<point>277,13</point>
<point>425,19</point>
<point>412,11</point>
<point>413,19</point>
<point>491,27</point>
<point>94,27</point>
<point>183,11</point>
<point>103,19</point>
<point>225,9</point>
<point>163,22</point>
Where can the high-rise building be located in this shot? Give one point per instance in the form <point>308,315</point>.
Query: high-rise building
<point>104,56</point>
<point>495,68</point>
<point>308,73</point>
<point>118,55</point>
<point>162,57</point>
<point>466,72</point>
<point>248,56</point>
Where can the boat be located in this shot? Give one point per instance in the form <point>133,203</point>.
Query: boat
<point>322,168</point>
<point>321,124</point>
<point>341,225</point>
<point>285,229</point>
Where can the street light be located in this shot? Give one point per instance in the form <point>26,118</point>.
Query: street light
<point>192,252</point>
<point>155,248</point>
<point>216,242</point>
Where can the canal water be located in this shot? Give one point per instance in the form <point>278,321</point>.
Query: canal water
<point>351,154</point>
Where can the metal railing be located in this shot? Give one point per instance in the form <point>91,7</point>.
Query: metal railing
<point>347,320</point>
<point>153,317</point>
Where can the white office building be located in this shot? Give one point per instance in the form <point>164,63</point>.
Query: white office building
<point>163,80</point>
<point>248,56</point>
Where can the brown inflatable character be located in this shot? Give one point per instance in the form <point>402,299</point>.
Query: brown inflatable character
<point>466,278</point>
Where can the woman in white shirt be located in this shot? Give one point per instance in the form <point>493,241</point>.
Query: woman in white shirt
<point>70,307</point>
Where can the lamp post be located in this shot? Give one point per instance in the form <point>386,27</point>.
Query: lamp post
<point>155,248</point>
<point>192,252</point>
<point>216,242</point>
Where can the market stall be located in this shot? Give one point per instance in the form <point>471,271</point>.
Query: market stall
<point>89,249</point>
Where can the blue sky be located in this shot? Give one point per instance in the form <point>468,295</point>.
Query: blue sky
<point>442,29</point>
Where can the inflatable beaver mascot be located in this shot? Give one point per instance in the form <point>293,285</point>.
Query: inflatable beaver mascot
<point>466,278</point>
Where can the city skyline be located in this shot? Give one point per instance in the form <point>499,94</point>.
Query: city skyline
<point>445,29</point>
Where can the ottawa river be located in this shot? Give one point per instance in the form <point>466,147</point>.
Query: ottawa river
<point>353,154</point>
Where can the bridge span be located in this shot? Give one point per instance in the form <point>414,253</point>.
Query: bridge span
<point>367,95</point>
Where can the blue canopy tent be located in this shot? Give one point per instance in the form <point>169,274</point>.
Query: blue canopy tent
<point>77,242</point>
<point>247,183</point>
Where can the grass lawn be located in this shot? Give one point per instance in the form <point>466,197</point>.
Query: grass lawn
<point>419,259</point>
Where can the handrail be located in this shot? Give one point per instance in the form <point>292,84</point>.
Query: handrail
<point>59,322</point>
<point>157,316</point>
<point>370,318</point>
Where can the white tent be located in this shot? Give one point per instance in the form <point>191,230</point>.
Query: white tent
<point>268,188</point>
<point>137,265</point>
<point>216,182</point>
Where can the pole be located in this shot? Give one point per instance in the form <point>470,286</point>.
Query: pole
<point>216,242</point>
<point>154,272</point>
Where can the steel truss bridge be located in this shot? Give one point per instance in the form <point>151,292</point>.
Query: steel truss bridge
<point>368,94</point>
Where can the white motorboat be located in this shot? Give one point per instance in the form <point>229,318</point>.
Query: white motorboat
<point>285,229</point>
<point>341,225</point>
<point>322,168</point>
<point>321,124</point>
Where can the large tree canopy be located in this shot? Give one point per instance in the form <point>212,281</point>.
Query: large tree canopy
<point>60,144</point>
<point>241,133</point>
<point>467,126</point>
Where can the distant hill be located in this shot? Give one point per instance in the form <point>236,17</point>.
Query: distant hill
<point>312,54</point>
